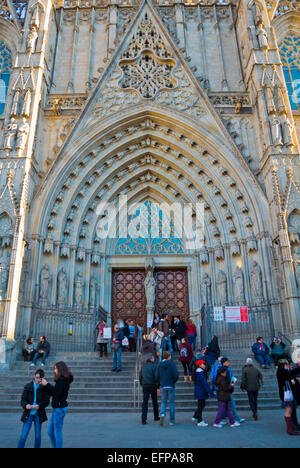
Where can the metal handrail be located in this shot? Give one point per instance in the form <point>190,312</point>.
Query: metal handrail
<point>136,381</point>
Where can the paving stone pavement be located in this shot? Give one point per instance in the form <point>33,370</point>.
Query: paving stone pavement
<point>125,431</point>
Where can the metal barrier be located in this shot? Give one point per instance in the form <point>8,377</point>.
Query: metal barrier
<point>136,381</point>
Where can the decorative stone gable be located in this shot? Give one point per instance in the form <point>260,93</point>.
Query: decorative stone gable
<point>148,69</point>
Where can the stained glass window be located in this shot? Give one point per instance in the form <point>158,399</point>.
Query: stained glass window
<point>5,68</point>
<point>290,56</point>
<point>148,233</point>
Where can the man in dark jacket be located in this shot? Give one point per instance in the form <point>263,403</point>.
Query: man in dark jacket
<point>34,401</point>
<point>252,380</point>
<point>167,376</point>
<point>148,382</point>
<point>179,330</point>
<point>43,351</point>
<point>164,326</point>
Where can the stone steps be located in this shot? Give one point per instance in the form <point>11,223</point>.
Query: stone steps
<point>97,389</point>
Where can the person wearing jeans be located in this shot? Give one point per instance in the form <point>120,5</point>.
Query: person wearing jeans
<point>166,377</point>
<point>42,351</point>
<point>117,349</point>
<point>56,427</point>
<point>34,401</point>
<point>63,379</point>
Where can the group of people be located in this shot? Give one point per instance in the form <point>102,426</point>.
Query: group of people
<point>263,355</point>
<point>31,352</point>
<point>35,399</point>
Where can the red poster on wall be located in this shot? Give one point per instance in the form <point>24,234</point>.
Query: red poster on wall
<point>244,314</point>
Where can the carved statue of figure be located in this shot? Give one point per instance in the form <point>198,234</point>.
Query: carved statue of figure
<point>10,135</point>
<point>93,291</point>
<point>222,288</point>
<point>31,41</point>
<point>62,287</point>
<point>235,247</point>
<point>26,104</point>
<point>256,282</point>
<point>22,135</point>
<point>276,131</point>
<point>150,289</point>
<point>79,284</point>
<point>14,112</point>
<point>238,281</point>
<point>262,37</point>
<point>287,131</point>
<point>45,283</point>
<point>206,289</point>
<point>204,257</point>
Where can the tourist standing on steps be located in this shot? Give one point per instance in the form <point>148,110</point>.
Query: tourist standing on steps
<point>59,392</point>
<point>212,351</point>
<point>116,347</point>
<point>225,363</point>
<point>132,337</point>
<point>185,357</point>
<point>43,351</point>
<point>202,392</point>
<point>140,330</point>
<point>34,401</point>
<point>252,380</point>
<point>148,381</point>
<point>191,333</point>
<point>225,388</point>
<point>179,330</point>
<point>287,393</point>
<point>261,353</point>
<point>164,326</point>
<point>167,376</point>
<point>101,341</point>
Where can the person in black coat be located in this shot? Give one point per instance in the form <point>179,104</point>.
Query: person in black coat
<point>286,382</point>
<point>149,384</point>
<point>213,351</point>
<point>34,401</point>
<point>43,351</point>
<point>179,330</point>
<point>59,392</point>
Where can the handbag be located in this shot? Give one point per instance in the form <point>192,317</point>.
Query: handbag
<point>288,394</point>
<point>125,341</point>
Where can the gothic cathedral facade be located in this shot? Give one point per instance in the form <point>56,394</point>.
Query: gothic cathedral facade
<point>159,102</point>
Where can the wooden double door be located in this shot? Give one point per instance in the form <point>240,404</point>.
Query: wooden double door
<point>129,297</point>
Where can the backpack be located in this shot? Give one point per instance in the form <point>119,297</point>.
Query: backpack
<point>184,352</point>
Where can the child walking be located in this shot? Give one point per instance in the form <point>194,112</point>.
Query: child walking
<point>225,389</point>
<point>202,392</point>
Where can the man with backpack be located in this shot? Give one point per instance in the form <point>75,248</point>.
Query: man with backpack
<point>186,357</point>
<point>167,376</point>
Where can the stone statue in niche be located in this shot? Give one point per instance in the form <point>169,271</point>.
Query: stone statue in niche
<point>206,289</point>
<point>276,131</point>
<point>78,290</point>
<point>256,283</point>
<point>296,258</point>
<point>93,291</point>
<point>287,131</point>
<point>62,287</point>
<point>238,281</point>
<point>10,135</point>
<point>262,37</point>
<point>44,284</point>
<point>270,100</point>
<point>31,40</point>
<point>222,288</point>
<point>22,135</point>
<point>150,289</point>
